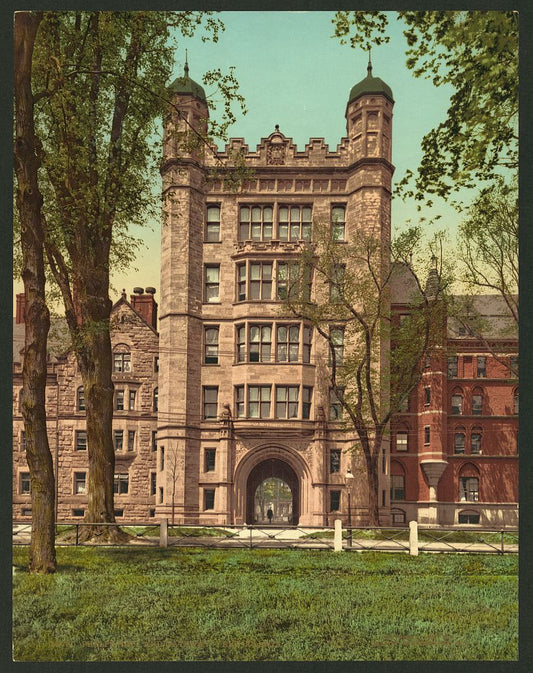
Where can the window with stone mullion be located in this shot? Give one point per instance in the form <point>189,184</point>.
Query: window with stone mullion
<point>287,343</point>
<point>259,401</point>
<point>286,401</point>
<point>294,223</point>
<point>260,343</point>
<point>255,223</point>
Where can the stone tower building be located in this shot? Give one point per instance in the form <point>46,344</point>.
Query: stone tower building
<point>240,398</point>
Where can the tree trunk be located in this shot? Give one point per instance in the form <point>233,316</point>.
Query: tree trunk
<point>373,490</point>
<point>37,317</point>
<point>93,350</point>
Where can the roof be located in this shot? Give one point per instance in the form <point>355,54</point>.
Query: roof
<point>58,339</point>
<point>186,85</point>
<point>371,85</point>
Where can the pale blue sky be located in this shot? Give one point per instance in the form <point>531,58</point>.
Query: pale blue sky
<point>292,72</point>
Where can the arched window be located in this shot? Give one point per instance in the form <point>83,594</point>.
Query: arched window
<point>459,441</point>
<point>469,483</point>
<point>155,401</point>
<point>121,359</point>
<point>475,441</point>
<point>457,402</point>
<point>515,401</point>
<point>80,399</point>
<point>477,402</point>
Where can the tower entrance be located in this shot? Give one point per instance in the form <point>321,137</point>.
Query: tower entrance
<point>272,485</point>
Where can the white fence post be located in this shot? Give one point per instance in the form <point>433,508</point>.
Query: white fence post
<point>413,538</point>
<point>163,533</point>
<point>337,536</point>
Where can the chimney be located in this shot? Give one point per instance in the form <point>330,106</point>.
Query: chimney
<point>20,313</point>
<point>144,303</point>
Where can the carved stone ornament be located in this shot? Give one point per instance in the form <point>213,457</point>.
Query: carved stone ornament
<point>276,154</point>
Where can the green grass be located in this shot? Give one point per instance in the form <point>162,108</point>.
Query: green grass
<point>150,604</point>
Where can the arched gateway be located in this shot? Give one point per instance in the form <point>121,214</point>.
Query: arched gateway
<point>272,468</point>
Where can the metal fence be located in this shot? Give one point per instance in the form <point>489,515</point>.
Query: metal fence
<point>413,539</point>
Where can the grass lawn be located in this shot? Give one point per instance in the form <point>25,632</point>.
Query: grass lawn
<point>153,604</point>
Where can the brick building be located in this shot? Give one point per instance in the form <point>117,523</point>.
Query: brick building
<point>228,395</point>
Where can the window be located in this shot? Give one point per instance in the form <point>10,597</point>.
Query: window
<point>155,401</point>
<point>118,512</point>
<point>24,483</point>
<point>427,434</point>
<point>397,487</point>
<point>121,361</point>
<point>131,440</point>
<point>162,459</point>
<point>307,335</point>
<point>210,401</point>
<point>212,280</point>
<point>156,364</point>
<point>337,283</point>
<point>468,489</point>
<point>161,494</point>
<point>287,280</point>
<point>255,223</point>
<point>475,443</point>
<point>468,517</point>
<point>212,225</point>
<point>335,404</point>
<point>294,223</point>
<point>119,400</point>
<point>404,405</point>
<point>401,441</point>
<point>427,396</point>
<point>288,343</point>
<point>131,399</point>
<point>286,401</point>
<point>336,336</point>
<point>334,501</point>
<point>241,343</point>
<point>80,399</point>
<point>239,401</point>
<point>23,440</point>
<point>398,517</point>
<point>477,404</point>
<point>121,483</point>
<point>260,343</point>
<point>78,512</point>
<point>211,346</point>
<point>259,285</point>
<point>334,461</point>
<point>79,483</point>
<point>80,441</point>
<point>515,402</point>
<point>338,215</point>
<point>459,442</point>
<point>259,401</point>
<point>481,366</point>
<point>452,366</point>
<point>118,436</point>
<point>154,440</point>
<point>209,460</point>
<point>153,483</point>
<point>209,498</point>
<point>457,404</point>
<point>306,402</point>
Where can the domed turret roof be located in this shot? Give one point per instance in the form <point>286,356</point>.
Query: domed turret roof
<point>186,85</point>
<point>370,85</point>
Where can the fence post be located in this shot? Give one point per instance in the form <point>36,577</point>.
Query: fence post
<point>251,537</point>
<point>502,542</point>
<point>77,534</point>
<point>337,536</point>
<point>163,533</point>
<point>413,538</point>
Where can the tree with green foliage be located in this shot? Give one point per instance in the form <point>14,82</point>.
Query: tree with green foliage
<point>102,78</point>
<point>375,360</point>
<point>37,316</point>
<point>476,52</point>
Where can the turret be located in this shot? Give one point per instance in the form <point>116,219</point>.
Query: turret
<point>369,117</point>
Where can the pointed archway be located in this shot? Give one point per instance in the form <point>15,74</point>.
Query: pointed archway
<point>272,468</point>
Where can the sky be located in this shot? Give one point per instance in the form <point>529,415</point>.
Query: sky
<point>292,72</point>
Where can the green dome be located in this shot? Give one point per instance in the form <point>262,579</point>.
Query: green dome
<point>187,85</point>
<point>371,85</point>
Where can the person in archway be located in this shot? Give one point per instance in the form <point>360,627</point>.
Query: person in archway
<point>270,514</point>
